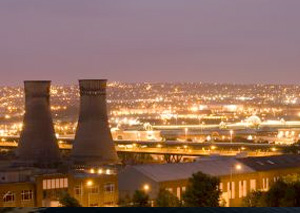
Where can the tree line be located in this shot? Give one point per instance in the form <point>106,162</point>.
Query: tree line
<point>285,192</point>
<point>203,191</point>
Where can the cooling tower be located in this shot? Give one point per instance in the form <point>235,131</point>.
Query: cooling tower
<point>93,143</point>
<point>38,145</point>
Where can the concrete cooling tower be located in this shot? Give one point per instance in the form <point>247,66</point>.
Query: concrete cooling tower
<point>93,143</point>
<point>38,144</point>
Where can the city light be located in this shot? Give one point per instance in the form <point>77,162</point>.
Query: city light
<point>146,187</point>
<point>238,167</point>
<point>231,135</point>
<point>194,120</point>
<point>89,183</point>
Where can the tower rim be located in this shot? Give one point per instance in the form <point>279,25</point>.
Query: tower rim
<point>37,81</point>
<point>83,80</point>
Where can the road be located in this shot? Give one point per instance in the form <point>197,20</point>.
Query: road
<point>180,148</point>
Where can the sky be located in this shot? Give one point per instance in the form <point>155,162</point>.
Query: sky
<point>223,41</point>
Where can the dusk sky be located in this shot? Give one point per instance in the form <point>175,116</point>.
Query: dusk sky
<point>227,41</point>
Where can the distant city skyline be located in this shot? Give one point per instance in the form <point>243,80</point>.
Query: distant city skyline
<point>243,42</point>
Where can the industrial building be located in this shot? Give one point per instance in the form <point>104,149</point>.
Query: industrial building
<point>93,143</point>
<point>38,144</point>
<point>38,177</point>
<point>238,177</point>
<point>31,187</point>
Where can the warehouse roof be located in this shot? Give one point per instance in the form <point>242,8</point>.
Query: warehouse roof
<point>180,171</point>
<point>215,167</point>
<point>272,162</point>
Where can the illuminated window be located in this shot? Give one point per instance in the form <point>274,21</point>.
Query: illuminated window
<point>244,188</point>
<point>48,184</point>
<point>240,189</point>
<point>231,190</point>
<point>109,188</point>
<point>265,185</point>
<point>44,184</point>
<point>9,197</point>
<point>94,190</point>
<point>53,184</point>
<point>26,195</point>
<point>221,187</point>
<point>77,190</point>
<point>169,189</point>
<point>178,193</point>
<point>252,185</point>
<point>61,183</point>
<point>276,179</point>
<point>65,182</point>
<point>57,183</point>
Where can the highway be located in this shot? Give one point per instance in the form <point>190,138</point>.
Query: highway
<point>172,147</point>
<point>185,151</point>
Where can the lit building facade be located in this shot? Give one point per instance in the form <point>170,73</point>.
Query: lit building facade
<point>137,135</point>
<point>288,136</point>
<point>37,188</point>
<point>39,178</point>
<point>238,177</point>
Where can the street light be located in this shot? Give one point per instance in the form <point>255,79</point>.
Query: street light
<point>89,183</point>
<point>213,147</point>
<point>146,187</point>
<point>238,167</point>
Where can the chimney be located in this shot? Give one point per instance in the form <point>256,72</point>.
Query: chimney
<point>93,143</point>
<point>38,144</point>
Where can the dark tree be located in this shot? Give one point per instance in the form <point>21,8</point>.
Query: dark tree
<point>254,199</point>
<point>166,199</point>
<point>125,201</point>
<point>297,191</point>
<point>293,149</point>
<point>67,201</point>
<point>140,199</point>
<point>202,191</point>
<point>281,194</point>
<point>289,198</point>
<point>276,193</point>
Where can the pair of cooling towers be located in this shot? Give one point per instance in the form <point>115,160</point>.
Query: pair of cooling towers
<point>93,144</point>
